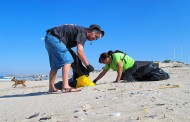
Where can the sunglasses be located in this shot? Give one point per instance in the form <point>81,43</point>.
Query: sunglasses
<point>99,34</point>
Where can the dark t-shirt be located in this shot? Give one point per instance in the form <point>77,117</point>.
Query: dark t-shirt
<point>70,35</point>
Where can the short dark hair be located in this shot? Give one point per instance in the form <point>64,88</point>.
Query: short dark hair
<point>103,56</point>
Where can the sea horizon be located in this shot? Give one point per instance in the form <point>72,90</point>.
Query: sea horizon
<point>28,77</point>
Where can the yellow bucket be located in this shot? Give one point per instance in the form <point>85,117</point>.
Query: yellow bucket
<point>84,81</point>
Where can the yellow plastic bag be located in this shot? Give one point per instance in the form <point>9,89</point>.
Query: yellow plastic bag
<point>84,81</point>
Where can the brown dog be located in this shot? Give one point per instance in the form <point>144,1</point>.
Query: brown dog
<point>18,82</point>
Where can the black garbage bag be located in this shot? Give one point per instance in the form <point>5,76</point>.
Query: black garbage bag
<point>150,73</point>
<point>78,70</point>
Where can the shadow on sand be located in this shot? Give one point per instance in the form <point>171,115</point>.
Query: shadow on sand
<point>25,95</point>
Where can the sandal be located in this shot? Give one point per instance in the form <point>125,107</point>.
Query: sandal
<point>65,90</point>
<point>52,92</point>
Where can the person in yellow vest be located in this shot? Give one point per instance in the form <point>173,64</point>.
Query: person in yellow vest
<point>120,62</point>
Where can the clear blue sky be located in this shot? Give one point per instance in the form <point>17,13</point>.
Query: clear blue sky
<point>144,29</point>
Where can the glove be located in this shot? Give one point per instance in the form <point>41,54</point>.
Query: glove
<point>94,81</point>
<point>90,68</point>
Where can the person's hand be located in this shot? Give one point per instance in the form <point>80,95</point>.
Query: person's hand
<point>116,81</point>
<point>90,68</point>
<point>94,81</point>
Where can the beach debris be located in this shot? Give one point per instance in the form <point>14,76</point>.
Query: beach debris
<point>187,92</point>
<point>86,114</point>
<point>33,116</point>
<point>133,119</point>
<point>96,89</point>
<point>115,114</point>
<point>76,117</point>
<point>185,104</point>
<point>76,111</point>
<point>45,118</point>
<point>152,116</point>
<point>170,109</point>
<point>112,89</point>
<point>122,90</point>
<point>82,119</point>
<point>146,110</point>
<point>151,90</point>
<point>135,93</point>
<point>160,104</point>
<point>168,86</point>
<point>86,106</point>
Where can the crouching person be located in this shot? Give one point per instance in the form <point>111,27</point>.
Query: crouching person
<point>120,62</point>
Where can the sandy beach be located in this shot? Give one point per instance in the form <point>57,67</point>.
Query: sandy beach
<point>160,101</point>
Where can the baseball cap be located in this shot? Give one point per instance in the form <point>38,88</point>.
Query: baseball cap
<point>94,26</point>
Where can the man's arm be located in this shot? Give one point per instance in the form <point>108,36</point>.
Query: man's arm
<point>81,55</point>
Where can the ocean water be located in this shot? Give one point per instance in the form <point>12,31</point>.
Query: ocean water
<point>28,78</point>
<point>5,78</point>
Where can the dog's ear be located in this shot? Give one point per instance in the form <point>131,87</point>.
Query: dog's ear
<point>13,79</point>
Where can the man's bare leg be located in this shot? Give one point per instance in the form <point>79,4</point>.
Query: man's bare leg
<point>52,77</point>
<point>65,75</point>
<point>65,78</point>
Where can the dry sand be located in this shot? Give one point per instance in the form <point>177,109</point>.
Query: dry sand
<point>105,102</point>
